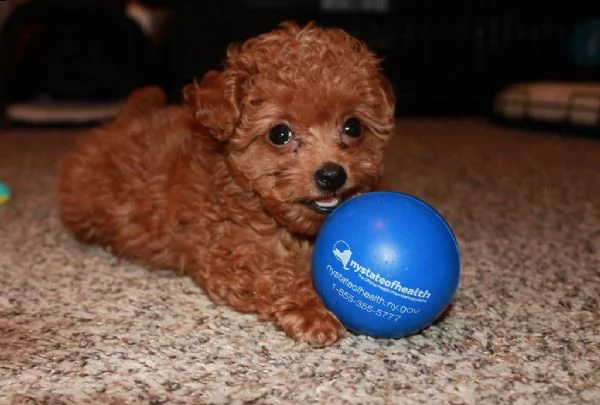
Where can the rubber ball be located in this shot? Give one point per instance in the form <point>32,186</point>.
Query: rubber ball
<point>387,264</point>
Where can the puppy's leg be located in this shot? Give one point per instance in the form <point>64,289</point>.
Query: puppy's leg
<point>276,289</point>
<point>292,302</point>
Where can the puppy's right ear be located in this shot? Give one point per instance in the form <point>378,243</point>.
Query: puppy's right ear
<point>214,102</point>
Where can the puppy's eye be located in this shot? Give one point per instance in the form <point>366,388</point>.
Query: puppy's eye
<point>280,135</point>
<point>352,127</point>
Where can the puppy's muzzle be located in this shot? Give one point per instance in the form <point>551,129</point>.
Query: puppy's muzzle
<point>331,177</point>
<point>329,180</point>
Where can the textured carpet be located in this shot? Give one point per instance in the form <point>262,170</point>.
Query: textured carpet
<point>78,326</point>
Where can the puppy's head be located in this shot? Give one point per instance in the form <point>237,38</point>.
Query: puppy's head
<point>305,114</point>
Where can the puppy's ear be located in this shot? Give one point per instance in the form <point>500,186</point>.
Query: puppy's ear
<point>214,102</point>
<point>389,95</point>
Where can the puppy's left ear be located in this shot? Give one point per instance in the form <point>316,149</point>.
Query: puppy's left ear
<point>214,102</point>
<point>381,114</point>
<point>389,95</point>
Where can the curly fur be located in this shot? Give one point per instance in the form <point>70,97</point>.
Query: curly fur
<point>199,188</point>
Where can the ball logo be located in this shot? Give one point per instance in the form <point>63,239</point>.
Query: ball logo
<point>342,252</point>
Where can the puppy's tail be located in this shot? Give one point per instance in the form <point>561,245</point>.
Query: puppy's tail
<point>144,100</point>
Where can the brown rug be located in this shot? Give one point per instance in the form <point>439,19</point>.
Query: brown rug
<point>78,326</point>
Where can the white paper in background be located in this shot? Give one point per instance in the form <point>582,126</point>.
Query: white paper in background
<point>378,6</point>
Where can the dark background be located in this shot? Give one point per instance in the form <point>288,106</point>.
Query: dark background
<point>445,58</point>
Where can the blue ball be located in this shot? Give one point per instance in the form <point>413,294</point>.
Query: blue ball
<point>386,264</point>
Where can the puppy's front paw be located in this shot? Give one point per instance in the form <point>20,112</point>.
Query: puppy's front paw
<point>312,324</point>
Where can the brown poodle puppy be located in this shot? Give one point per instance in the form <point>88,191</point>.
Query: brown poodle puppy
<point>232,187</point>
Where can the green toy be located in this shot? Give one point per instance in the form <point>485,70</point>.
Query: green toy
<point>5,193</point>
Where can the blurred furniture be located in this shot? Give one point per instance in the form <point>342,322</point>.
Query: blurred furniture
<point>71,60</point>
<point>574,106</point>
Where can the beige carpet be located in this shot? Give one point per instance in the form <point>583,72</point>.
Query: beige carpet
<point>77,326</point>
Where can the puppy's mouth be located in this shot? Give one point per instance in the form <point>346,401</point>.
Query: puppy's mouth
<point>324,205</point>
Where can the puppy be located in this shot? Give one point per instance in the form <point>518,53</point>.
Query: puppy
<point>232,187</point>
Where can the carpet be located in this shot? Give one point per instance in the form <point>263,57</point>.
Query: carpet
<point>78,326</point>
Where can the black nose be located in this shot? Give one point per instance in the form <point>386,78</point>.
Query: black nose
<point>330,177</point>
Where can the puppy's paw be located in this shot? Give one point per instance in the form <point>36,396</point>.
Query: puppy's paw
<point>312,324</point>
